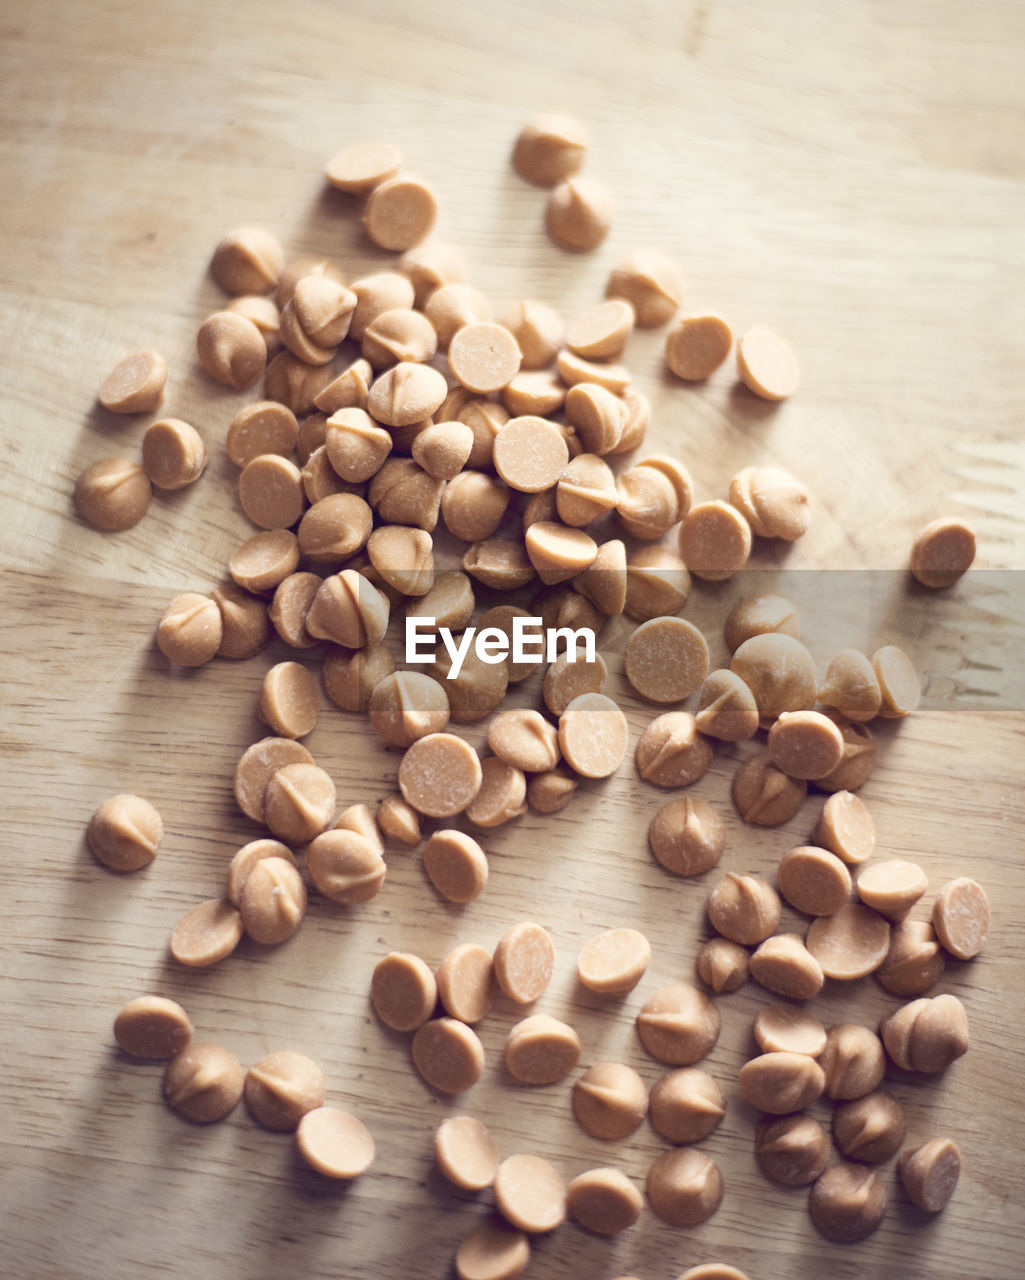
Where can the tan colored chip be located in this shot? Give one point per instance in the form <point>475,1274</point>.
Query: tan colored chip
<point>493,1251</point>
<point>530,453</point>
<point>723,965</point>
<point>270,490</point>
<point>113,494</point>
<point>558,552</point>
<point>760,615</point>
<point>456,865</point>
<point>613,962</point>
<point>726,708</point>
<point>351,677</point>
<point>524,739</point>
<point>666,659</point>
<point>125,833</point>
<point>567,679</point>
<point>773,503</point>
<point>152,1027</point>
<point>550,148</point>
<point>466,1153</point>
<point>530,1194</point>
<point>273,900</point>
<point>281,1088</point>
<point>696,346</point>
<point>744,908</point>
<point>448,1055</point>
<point>651,283</point>
<point>578,215</point>
<point>899,682</point>
<point>814,880</point>
<point>203,1083</point>
<point>781,1083</point>
<point>784,1028</point>
<point>793,1150</point>
<point>288,700</point>
<point>190,630</point>
<point>687,837</point>
<point>439,775</point>
<point>604,1201</point>
<point>686,1105</point>
<point>657,583</point>
<point>610,1100</point>
<point>466,982</point>
<point>406,706</point>
<point>299,802</point>
<point>403,991</point>
<point>846,828</point>
<point>784,965</point>
<point>779,671</point>
<point>892,887</point>
<point>443,448</point>
<point>361,166</point>
<point>231,350</point>
<point>767,365</point>
<point>851,686</point>
<point>593,735</point>
<point>850,944</point>
<point>684,1187</point>
<point>524,960</point>
<point>714,540</point>
<point>915,961</point>
<point>207,933</point>
<point>400,213</point>
<point>929,1173</point>
<point>247,260</point>
<point>764,795</point>
<point>335,1143</point>
<point>679,1024</point>
<point>483,357</point>
<point>942,552</point>
<point>541,1050</point>
<point>135,384</point>
<point>960,916</point>
<point>346,866</point>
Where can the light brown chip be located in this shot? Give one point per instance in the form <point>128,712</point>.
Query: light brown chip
<point>173,454</point>
<point>247,260</point>
<point>530,1194</point>
<point>927,1035</point>
<point>429,266</point>
<point>598,415</point>
<point>398,821</point>
<point>666,659</point>
<point>524,960</point>
<point>348,610</point>
<point>348,391</point>
<point>113,494</point>
<point>539,393</point>
<point>273,900</point>
<point>449,309</point>
<point>793,1150</point>
<point>687,837</point>
<point>760,615</point>
<point>207,933</point>
<point>892,888</point>
<point>466,982</point>
<point>585,492</point>
<point>356,445</point>
<point>773,503</point>
<point>551,792</point>
<point>744,908</point>
<point>714,540</point>
<point>244,619</point>
<point>780,1083</point>
<point>466,1153</point>
<point>245,859</point>
<point>678,1024</point>
<point>686,1105</point>
<point>657,583</point>
<point>722,964</point>
<point>375,294</point>
<point>294,383</point>
<point>288,700</point>
<point>853,1061</point>
<point>764,795</point>
<point>456,865</point>
<point>562,607</point>
<point>783,1028</point>
<point>942,552</point>
<point>779,671</point>
<point>593,735</point>
<point>281,1088</point>
<point>299,802</point>
<point>767,365</point>
<point>321,480</point>
<point>601,332</point>
<point>485,418</point>
<point>477,690</point>
<point>578,215</point>
<point>406,706</point>
<point>135,384</point>
<point>850,944</point>
<point>930,1173</point>
<point>847,1203</point>
<point>190,630</point>
<point>265,560</point>
<point>859,755</point>
<point>400,213</point>
<point>125,833</point>
<point>300,269</point>
<point>499,563</point>
<point>350,677</point>
<point>361,166</point>
<point>203,1083</point>
<point>726,708</point>
<point>572,369</point>
<point>335,1143</point>
<point>493,1251</point>
<point>784,965</point>
<point>604,1201</point>
<point>358,818</point>
<point>231,350</point>
<point>258,764</point>
<point>530,453</point>
<point>503,617</point>
<point>525,740</point>
<point>696,346</point>
<point>558,552</point>
<point>814,880</point>
<point>613,962</point>
<point>483,357</point>
<point>270,489</point>
<point>603,582</point>
<point>264,313</point>
<point>473,505</point>
<point>851,686</point>
<point>550,148</point>
<point>538,330</point>
<point>684,1186</point>
<point>915,960</point>
<point>449,603</point>
<point>448,1055</point>
<point>403,558</point>
<point>405,394</point>
<point>152,1027</point>
<point>651,283</point>
<point>610,1100</point>
<point>440,775</point>
<point>541,1050</point>
<point>403,991</point>
<point>960,916</point>
<point>403,493</point>
<point>869,1129</point>
<point>443,449</point>
<point>845,827</point>
<point>899,682</point>
<point>346,866</point>
<point>566,679</point>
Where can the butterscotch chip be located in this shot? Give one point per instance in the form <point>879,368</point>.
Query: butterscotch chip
<point>573,369</point>
<point>853,1061</point>
<point>113,494</point>
<point>792,1151</point>
<point>613,962</point>
<point>502,617</point>
<point>404,558</point>
<point>686,1105</point>
<point>604,1201</point>
<point>294,383</point>
<point>135,384</point>
<point>440,775</point>
<point>651,283</point>
<point>494,1251</point>
<point>586,490</point>
<point>466,1153</point>
<point>942,552</point>
<point>601,332</point>
<point>637,413</point>
<point>563,607</point>
<point>678,1025</point>
<point>722,964</point>
<point>550,148</point>
<point>299,802</point>
<point>578,215</point>
<point>264,313</point>
<point>530,453</point>
<point>892,888</point>
<point>478,688</point>
<point>593,735</point>
<point>859,756</point>
<point>245,860</point>
<point>125,833</point>
<point>351,677</point>
<point>207,933</point>
<point>356,445</point>
<point>450,308</point>
<point>657,583</point>
<point>346,866</point>
<point>784,965</point>
<point>152,1027</point>
<point>456,865</point>
<point>335,1143</point>
<point>404,493</point>
<point>566,680</point>
<point>173,454</point>
<point>231,349</point>
<point>429,266</point>
<point>403,991</point>
<point>714,540</point>
<point>538,330</point>
<point>375,294</point>
<point>928,1034</point>
<point>845,828</point>
<point>850,944</point>
<point>960,916</point>
<point>361,166</point>
<point>524,739</point>
<point>851,686</point>
<point>321,480</point>
<point>248,260</point>
<point>760,615</point>
<point>684,1186</point>
<point>726,708</point>
<point>541,1050</point>
<point>449,603</point>
<point>782,1028</point>
<point>203,1083</point>
<point>448,1055</point>
<point>258,764</point>
<point>773,503</point>
<point>552,791</point>
<point>687,837</point>
<point>190,630</point>
<point>348,610</point>
<point>272,901</point>
<point>358,818</point>
<point>671,753</point>
<point>745,909</point>
<point>288,700</point>
<point>558,552</point>
<point>399,335</point>
<point>930,1173</point>
<point>603,582</point>
<point>398,820</point>
<point>779,671</point>
<point>899,683</point>
<point>300,269</point>
<point>814,880</point>
<point>405,394</point>
<point>780,1083</point>
<point>696,346</point>
<point>270,490</point>
<point>870,1129</point>
<point>485,418</point>
<point>400,213</point>
<point>847,1203</point>
<point>262,427</point>
<point>539,393</point>
<point>764,795</point>
<point>767,365</point>
<point>598,416</point>
<point>610,1100</point>
<point>407,705</point>
<point>281,1088</point>
<point>348,391</point>
<point>484,357</point>
<point>466,982</point>
<point>530,1194</point>
<point>524,960</point>
<point>499,563</point>
<point>443,449</point>
<point>666,659</point>
<point>298,340</point>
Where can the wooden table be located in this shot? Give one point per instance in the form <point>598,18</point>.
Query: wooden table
<point>850,174</point>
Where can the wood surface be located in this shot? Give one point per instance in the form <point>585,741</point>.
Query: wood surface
<point>848,173</point>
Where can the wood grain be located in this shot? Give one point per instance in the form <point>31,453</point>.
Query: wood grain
<point>850,174</point>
